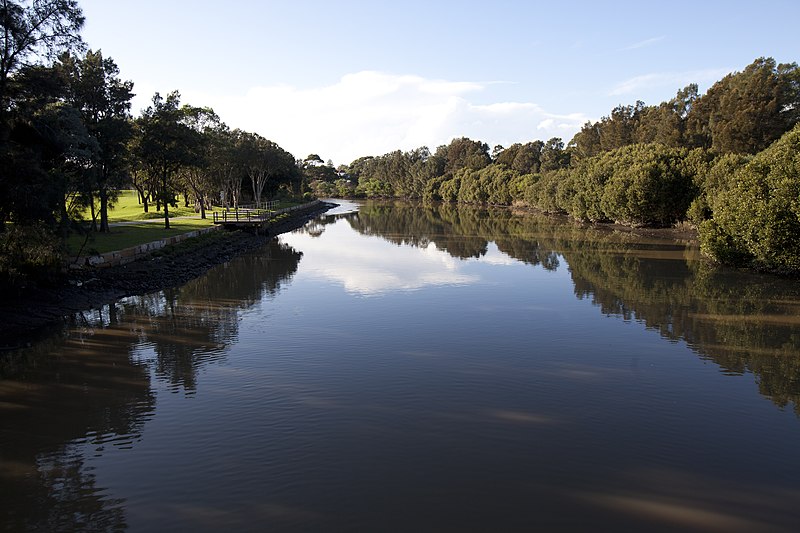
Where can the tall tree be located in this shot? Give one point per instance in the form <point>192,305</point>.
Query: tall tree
<point>264,161</point>
<point>747,111</point>
<point>33,28</point>
<point>586,143</point>
<point>553,155</point>
<point>464,153</point>
<point>104,100</point>
<point>199,176</point>
<point>165,143</point>
<point>225,170</point>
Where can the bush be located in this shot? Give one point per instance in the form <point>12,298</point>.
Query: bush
<point>757,213</point>
<point>29,254</point>
<point>712,181</point>
<point>647,185</point>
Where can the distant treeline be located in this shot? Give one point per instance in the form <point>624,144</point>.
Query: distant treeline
<point>726,162</point>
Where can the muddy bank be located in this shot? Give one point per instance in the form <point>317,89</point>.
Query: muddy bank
<point>24,316</point>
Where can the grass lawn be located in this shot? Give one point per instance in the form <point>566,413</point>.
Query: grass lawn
<point>127,207</point>
<point>131,235</point>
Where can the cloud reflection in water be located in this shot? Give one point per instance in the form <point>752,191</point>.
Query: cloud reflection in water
<point>371,266</point>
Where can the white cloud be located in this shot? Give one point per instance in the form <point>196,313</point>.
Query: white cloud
<point>677,80</point>
<point>372,113</point>
<point>644,44</point>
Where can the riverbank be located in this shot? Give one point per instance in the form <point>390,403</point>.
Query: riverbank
<point>23,317</point>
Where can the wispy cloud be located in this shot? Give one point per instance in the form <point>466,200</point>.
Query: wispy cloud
<point>644,44</point>
<point>372,113</point>
<point>661,79</point>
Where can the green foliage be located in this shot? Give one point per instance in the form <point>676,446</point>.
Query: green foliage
<point>322,189</point>
<point>374,188</point>
<point>266,164</point>
<point>634,185</point>
<point>490,185</point>
<point>542,193</point>
<point>746,111</point>
<point>449,190</point>
<point>464,153</point>
<point>648,186</point>
<point>712,177</point>
<point>524,158</point>
<point>166,143</point>
<point>28,253</point>
<point>742,113</point>
<point>757,213</point>
<point>344,188</point>
<point>519,185</point>
<point>41,28</point>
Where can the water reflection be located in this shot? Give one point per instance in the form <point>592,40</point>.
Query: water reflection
<point>498,398</point>
<point>71,398</point>
<point>742,322</point>
<point>59,404</point>
<point>192,326</point>
<point>376,267</point>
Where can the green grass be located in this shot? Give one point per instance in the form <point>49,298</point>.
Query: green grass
<point>127,207</point>
<point>127,236</point>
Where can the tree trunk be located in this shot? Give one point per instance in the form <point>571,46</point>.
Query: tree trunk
<point>256,191</point>
<point>92,213</point>
<point>103,209</point>
<point>165,198</point>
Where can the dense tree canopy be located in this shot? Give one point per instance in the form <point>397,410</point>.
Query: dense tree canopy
<point>95,89</point>
<point>681,160</point>
<point>756,214</point>
<point>35,27</point>
<point>722,160</point>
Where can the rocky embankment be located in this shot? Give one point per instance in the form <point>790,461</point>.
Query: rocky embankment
<point>23,316</point>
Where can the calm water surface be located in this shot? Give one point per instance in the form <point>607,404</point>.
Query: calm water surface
<point>391,367</point>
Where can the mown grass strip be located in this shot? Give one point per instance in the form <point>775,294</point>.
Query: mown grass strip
<point>130,235</point>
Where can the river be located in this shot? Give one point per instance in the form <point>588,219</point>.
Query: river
<point>394,367</point>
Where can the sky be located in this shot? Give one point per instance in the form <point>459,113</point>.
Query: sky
<point>349,78</point>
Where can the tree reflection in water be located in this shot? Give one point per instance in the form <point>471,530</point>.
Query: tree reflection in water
<point>78,394</point>
<point>741,321</point>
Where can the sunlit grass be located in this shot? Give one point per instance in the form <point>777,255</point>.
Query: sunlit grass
<point>127,207</point>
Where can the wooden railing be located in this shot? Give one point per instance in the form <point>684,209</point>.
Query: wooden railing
<point>246,213</point>
<point>241,215</point>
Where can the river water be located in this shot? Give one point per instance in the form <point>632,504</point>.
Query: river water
<point>392,367</point>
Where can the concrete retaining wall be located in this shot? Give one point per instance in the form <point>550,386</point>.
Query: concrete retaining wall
<point>128,255</point>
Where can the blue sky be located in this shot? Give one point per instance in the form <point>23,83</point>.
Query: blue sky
<point>350,78</point>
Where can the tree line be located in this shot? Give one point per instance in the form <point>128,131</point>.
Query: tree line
<point>68,142</point>
<point>725,162</point>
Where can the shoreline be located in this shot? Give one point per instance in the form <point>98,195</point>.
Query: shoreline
<point>84,289</point>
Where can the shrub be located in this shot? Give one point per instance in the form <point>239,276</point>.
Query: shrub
<point>757,213</point>
<point>647,185</point>
<point>29,253</point>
